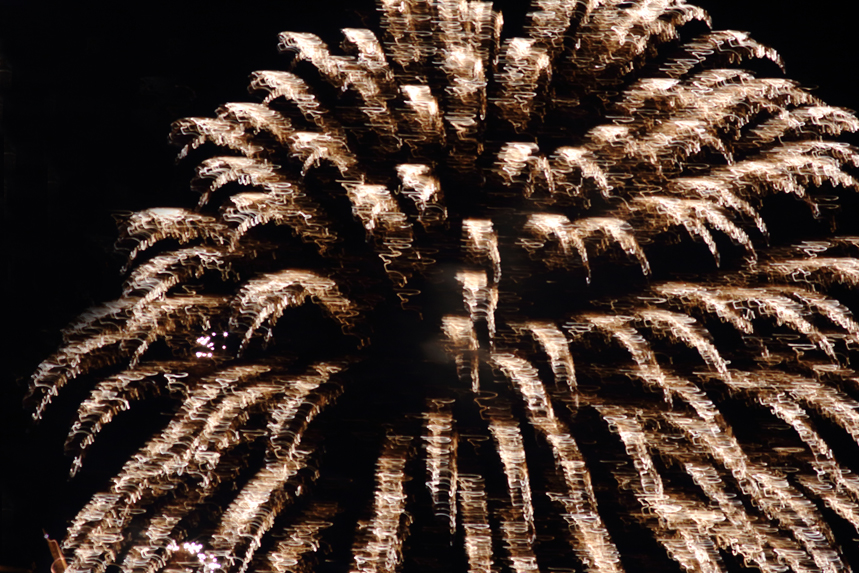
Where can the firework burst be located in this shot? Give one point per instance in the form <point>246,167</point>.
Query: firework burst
<point>452,299</point>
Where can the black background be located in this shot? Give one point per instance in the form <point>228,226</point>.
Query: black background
<point>88,95</point>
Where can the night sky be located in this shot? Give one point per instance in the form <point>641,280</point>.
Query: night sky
<point>88,96</point>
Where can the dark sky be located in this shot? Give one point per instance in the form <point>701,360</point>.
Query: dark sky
<point>88,95</point>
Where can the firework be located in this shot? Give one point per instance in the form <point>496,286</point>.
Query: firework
<point>455,299</point>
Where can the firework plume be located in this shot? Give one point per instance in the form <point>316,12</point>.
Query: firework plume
<point>457,300</point>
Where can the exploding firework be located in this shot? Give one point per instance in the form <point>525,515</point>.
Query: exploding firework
<point>454,298</point>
